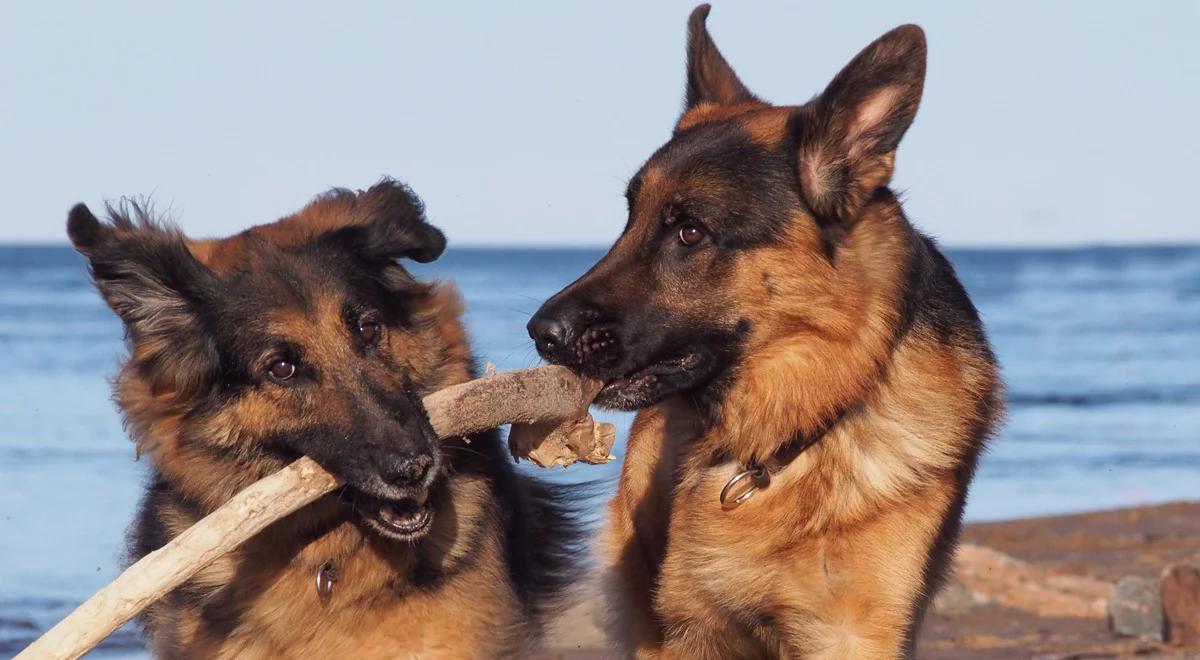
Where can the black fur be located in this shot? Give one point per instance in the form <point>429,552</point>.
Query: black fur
<point>397,228</point>
<point>203,336</point>
<point>710,79</point>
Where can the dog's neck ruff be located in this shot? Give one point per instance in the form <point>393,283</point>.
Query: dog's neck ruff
<point>755,476</point>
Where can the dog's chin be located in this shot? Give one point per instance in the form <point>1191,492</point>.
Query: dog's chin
<point>647,385</point>
<point>406,519</point>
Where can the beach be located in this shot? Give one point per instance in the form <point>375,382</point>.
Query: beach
<point>1011,616</point>
<point>1000,619</point>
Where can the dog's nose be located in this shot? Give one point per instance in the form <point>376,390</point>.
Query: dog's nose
<point>410,471</point>
<point>549,334</point>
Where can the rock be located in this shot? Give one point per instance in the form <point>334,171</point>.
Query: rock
<point>956,599</point>
<point>997,577</point>
<point>1136,609</point>
<point>1181,604</point>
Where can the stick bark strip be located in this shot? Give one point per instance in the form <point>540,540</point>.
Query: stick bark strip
<point>525,396</point>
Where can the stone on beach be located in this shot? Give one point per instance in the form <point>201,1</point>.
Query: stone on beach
<point>1136,609</point>
<point>956,599</point>
<point>1181,604</point>
<point>997,577</point>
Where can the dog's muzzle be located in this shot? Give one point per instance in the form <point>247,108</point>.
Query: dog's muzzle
<point>573,337</point>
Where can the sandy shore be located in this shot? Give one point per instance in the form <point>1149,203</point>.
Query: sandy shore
<point>1029,588</point>
<point>1087,552</point>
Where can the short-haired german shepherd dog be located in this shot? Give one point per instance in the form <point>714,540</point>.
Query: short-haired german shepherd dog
<point>306,337</point>
<point>815,386</point>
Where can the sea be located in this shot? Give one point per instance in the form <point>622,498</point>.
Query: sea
<point>1100,348</point>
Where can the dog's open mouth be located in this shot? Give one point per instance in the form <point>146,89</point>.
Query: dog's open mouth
<point>405,519</point>
<point>648,385</point>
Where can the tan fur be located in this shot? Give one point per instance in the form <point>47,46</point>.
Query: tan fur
<point>767,128</point>
<point>324,214</point>
<point>268,584</point>
<point>270,581</point>
<point>861,378</point>
<point>633,543</point>
<point>703,113</point>
<point>827,561</point>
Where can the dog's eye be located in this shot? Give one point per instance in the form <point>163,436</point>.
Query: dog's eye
<point>690,234</point>
<point>369,332</point>
<point>369,328</point>
<point>281,370</point>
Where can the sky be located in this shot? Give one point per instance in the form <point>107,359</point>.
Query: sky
<point>1043,123</point>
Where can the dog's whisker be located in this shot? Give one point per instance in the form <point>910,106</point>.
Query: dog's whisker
<point>518,311</point>
<point>464,450</point>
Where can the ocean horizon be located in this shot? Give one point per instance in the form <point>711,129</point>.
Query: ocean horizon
<point>1098,346</point>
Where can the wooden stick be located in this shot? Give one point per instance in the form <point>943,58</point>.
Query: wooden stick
<point>527,396</point>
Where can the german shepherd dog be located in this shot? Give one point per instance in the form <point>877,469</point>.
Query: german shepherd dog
<point>305,337</point>
<point>814,384</point>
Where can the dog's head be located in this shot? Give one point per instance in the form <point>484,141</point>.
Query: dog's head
<point>747,215</point>
<point>301,337</point>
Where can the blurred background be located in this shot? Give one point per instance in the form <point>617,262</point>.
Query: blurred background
<point>1054,155</point>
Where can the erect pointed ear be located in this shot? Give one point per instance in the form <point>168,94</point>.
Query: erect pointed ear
<point>146,274</point>
<point>710,79</point>
<point>849,134</point>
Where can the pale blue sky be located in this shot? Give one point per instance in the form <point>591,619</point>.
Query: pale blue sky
<point>1043,122</point>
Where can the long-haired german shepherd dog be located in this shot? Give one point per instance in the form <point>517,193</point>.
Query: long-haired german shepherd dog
<point>814,384</point>
<point>306,337</point>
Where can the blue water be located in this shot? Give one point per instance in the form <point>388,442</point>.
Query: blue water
<point>1100,348</point>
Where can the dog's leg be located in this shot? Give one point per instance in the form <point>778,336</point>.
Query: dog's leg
<point>630,573</point>
<point>634,541</point>
<point>885,646</point>
<point>628,586</point>
<point>695,628</point>
<point>629,583</point>
<point>711,639</point>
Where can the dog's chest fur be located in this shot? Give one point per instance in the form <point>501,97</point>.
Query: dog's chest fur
<point>834,552</point>
<point>763,567</point>
<point>392,600</point>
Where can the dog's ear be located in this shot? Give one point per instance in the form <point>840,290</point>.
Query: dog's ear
<point>397,227</point>
<point>849,134</point>
<point>710,79</point>
<point>147,275</point>
<point>387,222</point>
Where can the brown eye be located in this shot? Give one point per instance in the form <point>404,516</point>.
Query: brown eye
<point>369,332</point>
<point>690,235</point>
<point>282,369</point>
